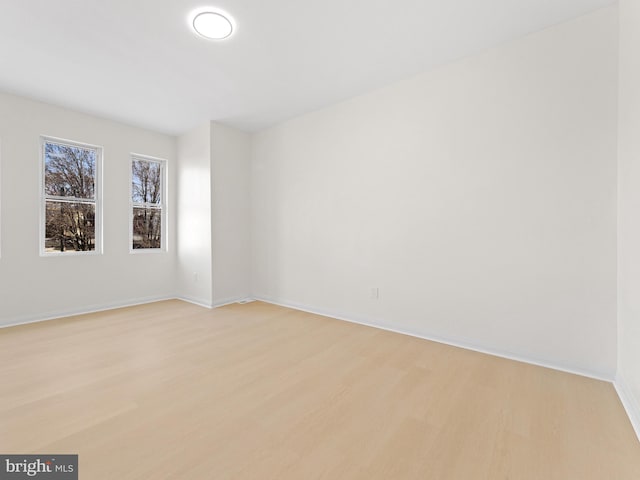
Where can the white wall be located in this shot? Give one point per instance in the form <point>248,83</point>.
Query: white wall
<point>208,200</point>
<point>628,381</point>
<point>230,214</point>
<point>34,287</point>
<point>195,277</point>
<point>213,215</point>
<point>479,198</point>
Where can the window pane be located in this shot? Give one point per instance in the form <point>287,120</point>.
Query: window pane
<point>146,183</point>
<point>70,227</point>
<point>147,228</point>
<point>69,171</point>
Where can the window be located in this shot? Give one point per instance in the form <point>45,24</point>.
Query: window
<point>147,203</point>
<point>71,217</point>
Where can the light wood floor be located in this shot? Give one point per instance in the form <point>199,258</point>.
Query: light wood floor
<point>256,391</point>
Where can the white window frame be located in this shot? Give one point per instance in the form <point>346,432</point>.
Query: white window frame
<point>163,204</point>
<point>43,197</point>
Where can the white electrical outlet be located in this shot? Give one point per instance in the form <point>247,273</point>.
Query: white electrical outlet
<point>375,293</point>
<point>195,276</point>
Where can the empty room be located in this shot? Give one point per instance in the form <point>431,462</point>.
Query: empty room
<point>320,240</point>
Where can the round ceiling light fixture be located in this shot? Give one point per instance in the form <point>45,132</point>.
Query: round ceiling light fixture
<point>212,24</point>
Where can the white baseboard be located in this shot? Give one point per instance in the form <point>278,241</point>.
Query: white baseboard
<point>228,301</point>
<point>630,403</point>
<point>339,316</point>
<point>217,303</point>
<point>115,305</point>
<point>23,320</point>
<point>435,338</point>
<point>195,301</point>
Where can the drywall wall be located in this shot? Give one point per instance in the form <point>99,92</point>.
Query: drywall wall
<point>195,277</point>
<point>628,381</point>
<point>208,201</point>
<point>34,287</point>
<point>478,199</point>
<point>213,215</point>
<point>230,213</point>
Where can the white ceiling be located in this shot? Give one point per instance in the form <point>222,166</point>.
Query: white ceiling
<point>137,61</point>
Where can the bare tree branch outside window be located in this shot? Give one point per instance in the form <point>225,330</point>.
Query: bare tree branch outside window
<point>70,197</point>
<point>146,195</point>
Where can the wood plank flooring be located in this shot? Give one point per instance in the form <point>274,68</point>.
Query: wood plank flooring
<point>256,391</point>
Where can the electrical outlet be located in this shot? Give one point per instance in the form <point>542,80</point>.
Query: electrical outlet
<point>195,276</point>
<point>375,293</point>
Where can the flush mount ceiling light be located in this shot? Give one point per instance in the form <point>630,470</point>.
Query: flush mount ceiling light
<point>212,24</point>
